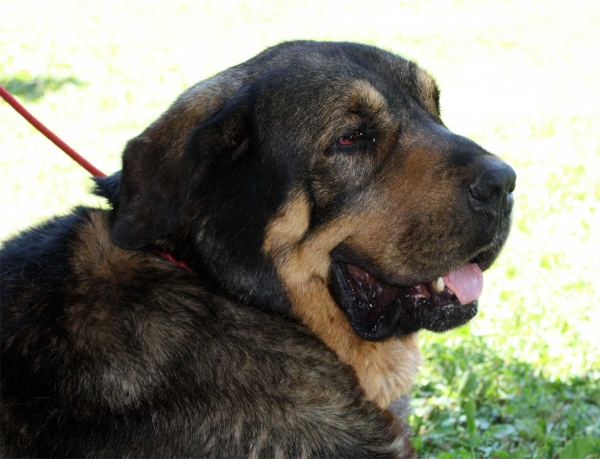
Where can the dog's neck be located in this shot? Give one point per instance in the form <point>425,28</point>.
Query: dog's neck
<point>385,370</point>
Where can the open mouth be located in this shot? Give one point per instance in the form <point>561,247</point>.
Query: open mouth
<point>377,310</point>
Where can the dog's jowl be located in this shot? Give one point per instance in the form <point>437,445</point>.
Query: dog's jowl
<point>326,214</point>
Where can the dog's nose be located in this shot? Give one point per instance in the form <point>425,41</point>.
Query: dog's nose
<point>491,190</point>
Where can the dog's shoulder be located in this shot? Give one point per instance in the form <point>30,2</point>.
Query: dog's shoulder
<point>106,338</point>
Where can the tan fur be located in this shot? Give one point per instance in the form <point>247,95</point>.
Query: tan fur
<point>191,109</point>
<point>385,370</point>
<point>364,96</point>
<point>96,257</point>
<point>428,89</point>
<point>107,271</point>
<point>354,103</point>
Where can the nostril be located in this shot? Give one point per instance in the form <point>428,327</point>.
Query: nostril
<point>493,183</point>
<point>484,187</point>
<point>479,191</point>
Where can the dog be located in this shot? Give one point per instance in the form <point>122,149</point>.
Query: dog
<point>273,244</point>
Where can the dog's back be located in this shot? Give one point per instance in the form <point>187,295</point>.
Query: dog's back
<point>114,353</point>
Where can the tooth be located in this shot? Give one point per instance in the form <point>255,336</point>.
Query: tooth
<point>439,285</point>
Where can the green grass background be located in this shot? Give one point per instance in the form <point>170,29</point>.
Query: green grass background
<point>519,77</point>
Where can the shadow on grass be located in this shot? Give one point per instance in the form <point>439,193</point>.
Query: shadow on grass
<point>472,403</point>
<point>33,88</point>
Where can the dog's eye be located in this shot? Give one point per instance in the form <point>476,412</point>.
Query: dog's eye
<point>351,139</point>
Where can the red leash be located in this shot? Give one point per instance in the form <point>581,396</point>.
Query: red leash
<point>8,97</point>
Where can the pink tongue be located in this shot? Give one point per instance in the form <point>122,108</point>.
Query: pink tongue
<point>465,282</point>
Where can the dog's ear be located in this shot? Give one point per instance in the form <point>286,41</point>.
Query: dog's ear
<point>163,165</point>
<point>108,188</point>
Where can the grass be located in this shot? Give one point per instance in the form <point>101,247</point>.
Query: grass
<point>522,380</point>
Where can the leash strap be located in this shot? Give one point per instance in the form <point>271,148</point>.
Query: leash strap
<point>8,97</point>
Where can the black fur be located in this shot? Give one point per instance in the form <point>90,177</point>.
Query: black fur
<point>110,350</point>
<point>158,366</point>
<point>116,352</point>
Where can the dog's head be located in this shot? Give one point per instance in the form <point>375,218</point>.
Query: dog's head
<point>318,179</point>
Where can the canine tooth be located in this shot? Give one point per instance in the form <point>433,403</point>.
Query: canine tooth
<point>439,285</point>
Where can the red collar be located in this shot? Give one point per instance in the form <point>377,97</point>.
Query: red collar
<point>172,259</point>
